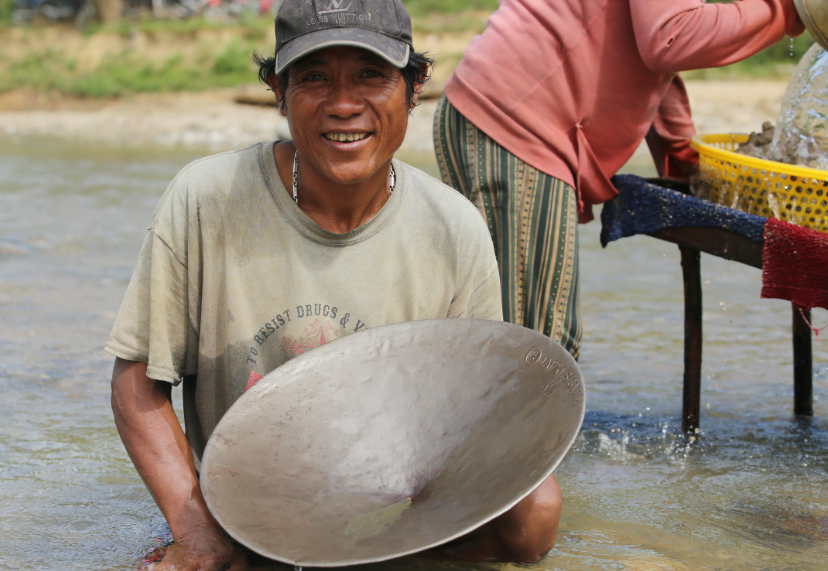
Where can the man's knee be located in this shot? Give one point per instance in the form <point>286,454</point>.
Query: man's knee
<point>529,530</point>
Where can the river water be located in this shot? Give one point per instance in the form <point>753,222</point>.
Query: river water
<point>751,492</point>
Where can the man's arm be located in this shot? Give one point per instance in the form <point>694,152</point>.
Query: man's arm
<point>157,446</point>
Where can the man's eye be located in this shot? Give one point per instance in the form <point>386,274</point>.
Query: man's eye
<point>312,77</point>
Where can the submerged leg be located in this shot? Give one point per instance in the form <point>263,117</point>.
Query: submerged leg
<point>523,534</point>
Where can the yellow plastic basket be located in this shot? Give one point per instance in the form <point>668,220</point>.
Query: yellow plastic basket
<point>798,195</point>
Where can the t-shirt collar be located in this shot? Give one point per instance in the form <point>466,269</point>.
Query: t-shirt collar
<point>303,224</point>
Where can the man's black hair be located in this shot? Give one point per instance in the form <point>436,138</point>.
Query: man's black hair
<point>417,71</point>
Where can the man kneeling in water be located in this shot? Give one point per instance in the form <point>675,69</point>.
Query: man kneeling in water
<point>257,255</point>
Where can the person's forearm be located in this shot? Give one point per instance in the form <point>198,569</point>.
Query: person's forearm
<point>157,446</point>
<point>670,134</point>
<point>690,34</point>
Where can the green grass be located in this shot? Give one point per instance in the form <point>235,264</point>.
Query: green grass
<point>126,73</point>
<point>249,27</point>
<point>425,7</point>
<point>5,10</point>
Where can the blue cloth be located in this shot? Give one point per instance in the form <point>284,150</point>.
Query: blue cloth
<point>644,208</point>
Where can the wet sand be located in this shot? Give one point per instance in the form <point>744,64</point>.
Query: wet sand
<point>214,119</point>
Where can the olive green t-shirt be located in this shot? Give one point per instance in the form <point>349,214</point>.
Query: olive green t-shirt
<point>233,279</point>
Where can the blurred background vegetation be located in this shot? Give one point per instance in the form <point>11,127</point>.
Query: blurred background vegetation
<point>197,49</point>
<point>5,10</point>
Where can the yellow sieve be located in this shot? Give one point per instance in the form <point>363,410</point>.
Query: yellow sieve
<point>795,194</point>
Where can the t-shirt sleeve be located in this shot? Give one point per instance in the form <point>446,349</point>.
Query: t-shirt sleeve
<point>478,294</point>
<point>153,326</point>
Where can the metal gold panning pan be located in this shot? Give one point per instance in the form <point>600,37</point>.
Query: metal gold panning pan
<point>814,14</point>
<point>391,441</point>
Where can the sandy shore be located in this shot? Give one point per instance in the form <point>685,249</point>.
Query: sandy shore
<point>214,119</point>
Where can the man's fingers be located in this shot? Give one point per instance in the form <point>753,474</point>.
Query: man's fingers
<point>203,557</point>
<point>162,566</point>
<point>177,558</point>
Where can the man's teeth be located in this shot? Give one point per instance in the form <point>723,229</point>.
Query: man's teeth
<point>342,137</point>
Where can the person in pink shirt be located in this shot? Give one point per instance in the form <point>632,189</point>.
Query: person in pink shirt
<point>553,98</point>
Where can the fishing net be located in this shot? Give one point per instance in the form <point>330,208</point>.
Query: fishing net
<point>795,265</point>
<point>795,259</point>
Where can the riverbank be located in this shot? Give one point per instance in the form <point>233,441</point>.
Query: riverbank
<point>158,56</point>
<point>142,53</point>
<point>213,118</point>
<point>147,81</point>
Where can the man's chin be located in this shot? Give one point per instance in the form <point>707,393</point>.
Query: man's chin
<point>352,172</point>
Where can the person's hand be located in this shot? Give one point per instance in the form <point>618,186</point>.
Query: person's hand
<point>681,170</point>
<point>205,551</point>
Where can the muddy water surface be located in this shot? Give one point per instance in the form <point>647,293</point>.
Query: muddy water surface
<point>750,493</point>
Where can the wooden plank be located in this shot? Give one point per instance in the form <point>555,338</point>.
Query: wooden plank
<point>716,242</point>
<point>691,271</point>
<point>803,365</point>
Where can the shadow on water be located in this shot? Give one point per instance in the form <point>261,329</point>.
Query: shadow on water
<point>750,491</point>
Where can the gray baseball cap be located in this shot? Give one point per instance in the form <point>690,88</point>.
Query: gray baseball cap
<point>379,26</point>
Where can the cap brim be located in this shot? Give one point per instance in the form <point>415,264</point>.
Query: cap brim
<point>396,52</point>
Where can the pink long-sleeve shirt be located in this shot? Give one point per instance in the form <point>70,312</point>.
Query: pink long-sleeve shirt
<point>573,86</point>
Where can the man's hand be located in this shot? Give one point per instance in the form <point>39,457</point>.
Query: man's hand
<point>208,551</point>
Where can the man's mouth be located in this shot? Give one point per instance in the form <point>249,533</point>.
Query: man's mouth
<point>345,137</point>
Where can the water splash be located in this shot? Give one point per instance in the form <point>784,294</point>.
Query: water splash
<point>801,134</point>
<point>791,55</point>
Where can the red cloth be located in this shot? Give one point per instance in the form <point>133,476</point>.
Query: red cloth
<point>795,265</point>
<point>572,86</point>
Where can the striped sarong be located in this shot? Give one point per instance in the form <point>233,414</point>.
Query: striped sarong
<point>533,220</point>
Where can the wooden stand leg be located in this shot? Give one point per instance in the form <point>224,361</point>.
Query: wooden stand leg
<point>691,270</point>
<point>803,367</point>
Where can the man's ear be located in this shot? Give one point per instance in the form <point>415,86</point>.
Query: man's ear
<point>418,86</point>
<point>278,92</point>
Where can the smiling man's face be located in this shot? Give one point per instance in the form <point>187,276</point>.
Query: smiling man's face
<point>347,110</point>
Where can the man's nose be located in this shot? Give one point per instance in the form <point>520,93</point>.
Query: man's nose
<point>344,101</point>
